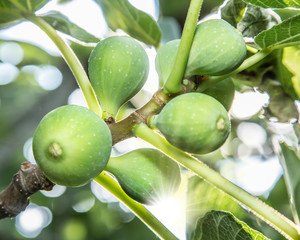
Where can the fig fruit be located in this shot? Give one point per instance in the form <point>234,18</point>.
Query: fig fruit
<point>193,122</point>
<point>118,68</point>
<point>222,91</point>
<point>145,174</point>
<point>165,59</point>
<point>218,48</point>
<point>72,145</point>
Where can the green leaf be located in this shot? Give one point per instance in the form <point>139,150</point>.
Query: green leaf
<point>223,225</point>
<point>280,105</point>
<point>203,197</point>
<point>255,20</point>
<point>233,11</point>
<point>120,14</point>
<point>284,34</point>
<point>9,17</point>
<point>285,13</point>
<point>274,3</point>
<point>63,24</point>
<point>28,5</point>
<point>288,70</point>
<point>11,10</point>
<point>290,161</point>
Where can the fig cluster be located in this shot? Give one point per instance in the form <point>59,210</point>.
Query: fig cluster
<point>72,144</point>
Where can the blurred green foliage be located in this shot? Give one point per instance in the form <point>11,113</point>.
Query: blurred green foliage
<point>23,103</point>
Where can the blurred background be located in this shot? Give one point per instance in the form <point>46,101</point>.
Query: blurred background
<point>34,80</point>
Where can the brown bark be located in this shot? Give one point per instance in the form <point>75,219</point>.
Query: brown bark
<point>27,181</point>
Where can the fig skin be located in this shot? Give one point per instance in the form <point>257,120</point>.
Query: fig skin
<point>165,59</point>
<point>223,91</point>
<point>218,48</point>
<point>72,145</point>
<point>193,122</point>
<point>118,69</point>
<point>145,174</point>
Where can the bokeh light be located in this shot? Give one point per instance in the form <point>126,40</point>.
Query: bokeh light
<point>127,215</point>
<point>27,151</point>
<point>84,202</point>
<point>113,203</point>
<point>49,77</point>
<point>247,104</point>
<point>252,134</point>
<point>129,145</point>
<point>152,83</point>
<point>32,221</point>
<point>56,191</point>
<point>27,32</point>
<point>8,72</point>
<point>102,194</point>
<point>11,52</point>
<point>77,98</point>
<point>254,174</point>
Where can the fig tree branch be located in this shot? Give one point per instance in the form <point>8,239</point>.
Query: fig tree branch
<point>122,130</point>
<point>27,181</point>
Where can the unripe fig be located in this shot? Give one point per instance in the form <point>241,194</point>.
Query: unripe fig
<point>193,122</point>
<point>218,48</point>
<point>222,91</point>
<point>72,145</point>
<point>165,59</point>
<point>145,174</point>
<point>118,68</point>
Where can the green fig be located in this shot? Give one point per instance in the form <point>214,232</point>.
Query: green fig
<point>193,122</point>
<point>72,145</point>
<point>118,68</point>
<point>218,48</point>
<point>145,174</point>
<point>222,91</point>
<point>165,59</point>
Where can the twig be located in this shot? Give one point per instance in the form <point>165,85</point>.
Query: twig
<point>27,181</point>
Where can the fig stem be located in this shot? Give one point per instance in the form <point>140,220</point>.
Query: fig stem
<point>275,219</point>
<point>140,211</point>
<point>72,61</point>
<point>173,84</point>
